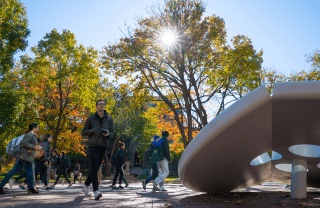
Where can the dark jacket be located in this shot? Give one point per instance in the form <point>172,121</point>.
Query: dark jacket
<point>163,150</point>
<point>63,163</point>
<point>120,158</point>
<point>55,162</point>
<point>46,146</point>
<point>94,123</point>
<point>27,151</point>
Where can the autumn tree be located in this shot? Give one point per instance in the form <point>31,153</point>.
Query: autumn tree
<point>188,73</point>
<point>13,32</point>
<point>60,80</point>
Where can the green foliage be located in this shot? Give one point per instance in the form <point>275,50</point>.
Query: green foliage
<point>13,32</point>
<point>60,82</point>
<point>187,74</point>
<point>127,107</point>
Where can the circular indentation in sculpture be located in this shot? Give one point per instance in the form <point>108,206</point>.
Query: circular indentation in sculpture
<point>285,167</point>
<point>305,150</point>
<point>265,157</point>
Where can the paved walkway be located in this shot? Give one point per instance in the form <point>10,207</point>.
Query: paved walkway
<point>176,196</point>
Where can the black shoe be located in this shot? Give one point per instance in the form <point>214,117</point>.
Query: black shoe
<point>3,190</point>
<point>144,185</point>
<point>49,188</point>
<point>33,191</point>
<point>114,187</point>
<point>126,184</point>
<point>120,187</point>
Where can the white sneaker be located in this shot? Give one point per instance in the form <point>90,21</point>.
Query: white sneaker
<point>10,183</point>
<point>97,195</point>
<point>85,190</point>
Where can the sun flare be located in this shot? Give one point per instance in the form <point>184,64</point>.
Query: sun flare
<point>168,38</point>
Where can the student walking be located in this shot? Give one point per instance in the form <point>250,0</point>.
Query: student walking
<point>153,158</point>
<point>76,173</point>
<point>41,161</point>
<point>25,159</point>
<point>54,160</point>
<point>63,166</point>
<point>99,129</point>
<point>118,163</point>
<point>163,165</point>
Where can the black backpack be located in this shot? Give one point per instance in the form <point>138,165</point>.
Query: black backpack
<point>114,158</point>
<point>68,163</point>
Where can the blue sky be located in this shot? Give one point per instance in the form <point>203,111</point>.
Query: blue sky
<point>286,30</point>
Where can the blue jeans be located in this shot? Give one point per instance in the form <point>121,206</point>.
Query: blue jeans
<point>41,169</point>
<point>17,167</point>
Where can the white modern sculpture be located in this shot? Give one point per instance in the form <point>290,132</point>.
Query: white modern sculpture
<point>231,151</point>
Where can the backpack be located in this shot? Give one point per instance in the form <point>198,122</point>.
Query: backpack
<point>114,158</point>
<point>68,163</point>
<point>14,146</point>
<point>155,157</point>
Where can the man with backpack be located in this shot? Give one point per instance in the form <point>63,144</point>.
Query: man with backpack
<point>99,129</point>
<point>25,158</point>
<point>163,154</point>
<point>152,158</point>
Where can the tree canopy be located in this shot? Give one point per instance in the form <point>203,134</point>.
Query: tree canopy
<point>187,74</point>
<point>13,32</point>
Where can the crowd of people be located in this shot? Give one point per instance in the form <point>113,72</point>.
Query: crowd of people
<point>37,158</point>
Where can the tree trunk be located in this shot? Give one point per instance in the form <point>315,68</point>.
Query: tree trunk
<point>108,162</point>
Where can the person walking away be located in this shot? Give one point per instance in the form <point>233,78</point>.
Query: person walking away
<point>126,155</point>
<point>118,163</point>
<point>63,166</point>
<point>153,158</point>
<point>163,165</point>
<point>76,173</point>
<point>25,159</point>
<point>99,129</point>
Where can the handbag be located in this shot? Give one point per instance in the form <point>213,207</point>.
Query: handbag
<point>39,154</point>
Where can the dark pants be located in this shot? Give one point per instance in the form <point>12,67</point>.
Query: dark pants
<point>76,178</point>
<point>96,155</point>
<point>17,167</point>
<point>62,172</point>
<point>118,171</point>
<point>41,169</point>
<point>154,174</point>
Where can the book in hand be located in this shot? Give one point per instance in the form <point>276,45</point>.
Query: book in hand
<point>104,131</point>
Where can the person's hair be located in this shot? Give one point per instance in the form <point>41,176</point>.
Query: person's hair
<point>165,134</point>
<point>99,101</point>
<point>63,153</point>
<point>120,144</point>
<point>31,126</point>
<point>54,150</point>
<point>38,140</point>
<point>46,137</point>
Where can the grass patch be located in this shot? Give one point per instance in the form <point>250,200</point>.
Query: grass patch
<point>168,179</point>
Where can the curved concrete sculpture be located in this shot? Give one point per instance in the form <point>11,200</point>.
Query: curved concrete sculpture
<point>219,157</point>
